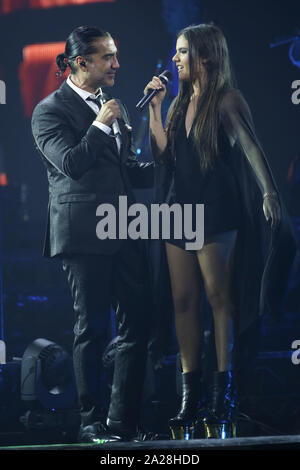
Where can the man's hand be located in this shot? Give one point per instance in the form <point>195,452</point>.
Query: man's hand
<point>109,112</point>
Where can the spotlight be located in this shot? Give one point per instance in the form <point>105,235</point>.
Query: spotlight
<point>47,375</point>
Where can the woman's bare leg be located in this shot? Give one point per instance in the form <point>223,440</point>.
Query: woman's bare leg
<point>185,279</point>
<point>215,260</point>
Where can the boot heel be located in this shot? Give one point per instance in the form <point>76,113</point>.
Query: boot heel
<point>219,430</point>
<point>183,432</point>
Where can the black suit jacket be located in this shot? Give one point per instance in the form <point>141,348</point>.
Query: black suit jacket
<point>84,169</point>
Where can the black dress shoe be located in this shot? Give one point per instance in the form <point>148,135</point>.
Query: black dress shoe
<point>96,433</point>
<point>117,428</point>
<point>150,436</point>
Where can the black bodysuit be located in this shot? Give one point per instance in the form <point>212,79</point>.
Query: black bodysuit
<point>217,188</point>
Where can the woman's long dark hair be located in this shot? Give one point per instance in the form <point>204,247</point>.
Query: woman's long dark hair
<point>205,41</point>
<point>80,42</point>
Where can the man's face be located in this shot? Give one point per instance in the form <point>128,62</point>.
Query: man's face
<point>104,64</point>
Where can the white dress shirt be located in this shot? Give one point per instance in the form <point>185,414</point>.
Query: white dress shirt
<point>86,94</point>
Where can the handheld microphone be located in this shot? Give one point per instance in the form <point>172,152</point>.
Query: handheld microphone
<point>115,125</point>
<point>165,77</point>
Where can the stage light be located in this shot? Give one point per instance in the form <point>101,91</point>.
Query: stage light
<point>37,73</point>
<point>47,376</point>
<point>10,6</point>
<point>294,52</point>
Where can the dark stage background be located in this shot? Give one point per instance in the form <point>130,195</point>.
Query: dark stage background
<point>35,300</point>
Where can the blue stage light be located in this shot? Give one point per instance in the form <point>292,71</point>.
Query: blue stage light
<point>294,52</point>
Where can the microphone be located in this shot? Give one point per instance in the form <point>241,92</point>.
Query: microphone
<point>115,125</point>
<point>165,77</point>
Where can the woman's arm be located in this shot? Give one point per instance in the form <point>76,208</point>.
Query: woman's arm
<point>158,136</point>
<point>237,121</point>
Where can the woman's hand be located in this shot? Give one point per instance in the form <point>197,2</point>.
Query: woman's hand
<point>156,84</point>
<point>271,208</point>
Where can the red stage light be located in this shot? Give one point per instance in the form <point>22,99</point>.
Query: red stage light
<point>37,73</point>
<point>3,179</point>
<point>9,6</point>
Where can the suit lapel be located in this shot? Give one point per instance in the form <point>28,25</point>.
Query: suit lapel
<point>76,104</point>
<point>125,138</point>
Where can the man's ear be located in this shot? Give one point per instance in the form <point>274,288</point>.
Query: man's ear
<point>81,63</point>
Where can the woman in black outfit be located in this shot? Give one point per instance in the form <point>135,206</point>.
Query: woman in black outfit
<point>206,121</point>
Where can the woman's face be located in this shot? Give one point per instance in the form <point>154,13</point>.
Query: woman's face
<point>181,58</point>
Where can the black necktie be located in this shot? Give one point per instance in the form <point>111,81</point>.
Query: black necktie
<point>97,101</point>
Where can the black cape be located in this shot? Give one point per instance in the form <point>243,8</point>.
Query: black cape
<point>263,256</point>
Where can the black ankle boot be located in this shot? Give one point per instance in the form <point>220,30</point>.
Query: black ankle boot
<point>184,425</point>
<point>220,422</point>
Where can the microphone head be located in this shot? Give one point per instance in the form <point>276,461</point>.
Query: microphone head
<point>165,76</point>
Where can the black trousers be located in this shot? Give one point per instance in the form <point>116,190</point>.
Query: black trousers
<point>96,283</point>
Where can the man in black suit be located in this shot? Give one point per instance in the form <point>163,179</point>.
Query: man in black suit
<point>85,142</point>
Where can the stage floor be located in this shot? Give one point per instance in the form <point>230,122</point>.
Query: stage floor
<point>239,443</point>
